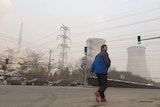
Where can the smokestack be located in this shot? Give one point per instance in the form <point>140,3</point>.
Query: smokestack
<point>20,38</point>
<point>137,61</point>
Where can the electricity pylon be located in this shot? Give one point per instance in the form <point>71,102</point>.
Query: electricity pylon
<point>64,46</point>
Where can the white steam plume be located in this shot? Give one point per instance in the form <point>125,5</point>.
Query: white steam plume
<point>4,5</point>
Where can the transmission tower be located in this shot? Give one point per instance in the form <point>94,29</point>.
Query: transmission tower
<point>64,46</point>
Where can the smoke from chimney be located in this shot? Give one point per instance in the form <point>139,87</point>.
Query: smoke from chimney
<point>4,6</point>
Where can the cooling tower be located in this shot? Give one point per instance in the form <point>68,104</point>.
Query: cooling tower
<point>137,61</point>
<point>93,48</point>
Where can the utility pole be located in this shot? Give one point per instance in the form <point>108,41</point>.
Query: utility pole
<point>85,73</point>
<point>49,63</point>
<point>4,66</point>
<point>10,57</point>
<point>85,69</point>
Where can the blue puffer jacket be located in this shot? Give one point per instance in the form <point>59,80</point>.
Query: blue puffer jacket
<point>101,63</point>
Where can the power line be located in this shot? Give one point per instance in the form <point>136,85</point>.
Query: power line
<point>116,27</point>
<point>124,39</point>
<point>122,26</point>
<point>117,18</point>
<point>11,39</point>
<point>113,28</point>
<point>145,11</point>
<point>51,41</point>
<point>44,37</point>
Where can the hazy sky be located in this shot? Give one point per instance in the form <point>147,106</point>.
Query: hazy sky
<point>119,22</point>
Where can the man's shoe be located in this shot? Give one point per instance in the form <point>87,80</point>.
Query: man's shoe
<point>103,100</point>
<point>98,96</point>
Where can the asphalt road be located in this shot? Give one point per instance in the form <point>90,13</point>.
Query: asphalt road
<point>58,96</point>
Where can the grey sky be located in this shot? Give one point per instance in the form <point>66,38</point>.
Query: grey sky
<point>119,22</point>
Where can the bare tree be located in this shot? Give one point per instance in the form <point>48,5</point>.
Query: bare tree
<point>32,65</point>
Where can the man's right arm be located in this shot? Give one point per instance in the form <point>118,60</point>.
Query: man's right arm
<point>106,60</point>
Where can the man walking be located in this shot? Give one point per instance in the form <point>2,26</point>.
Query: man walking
<point>100,66</point>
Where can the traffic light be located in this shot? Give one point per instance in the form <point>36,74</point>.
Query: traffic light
<point>85,50</point>
<point>7,61</point>
<point>4,67</point>
<point>139,40</point>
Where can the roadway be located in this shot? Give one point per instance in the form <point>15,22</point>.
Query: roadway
<point>58,96</point>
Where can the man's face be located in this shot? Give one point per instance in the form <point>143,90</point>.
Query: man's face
<point>105,48</point>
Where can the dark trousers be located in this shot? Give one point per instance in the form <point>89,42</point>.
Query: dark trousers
<point>103,84</point>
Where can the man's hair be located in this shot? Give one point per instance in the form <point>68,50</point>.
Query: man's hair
<point>103,46</point>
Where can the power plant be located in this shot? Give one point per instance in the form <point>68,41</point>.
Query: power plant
<point>93,48</point>
<point>137,61</point>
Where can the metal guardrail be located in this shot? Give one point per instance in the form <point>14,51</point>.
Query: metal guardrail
<point>121,83</point>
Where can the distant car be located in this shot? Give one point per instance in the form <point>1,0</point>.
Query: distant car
<point>37,81</point>
<point>79,82</point>
<point>14,80</point>
<point>74,83</point>
<point>1,77</point>
<point>61,82</point>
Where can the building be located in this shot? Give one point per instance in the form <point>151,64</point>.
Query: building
<point>137,61</point>
<point>93,48</point>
